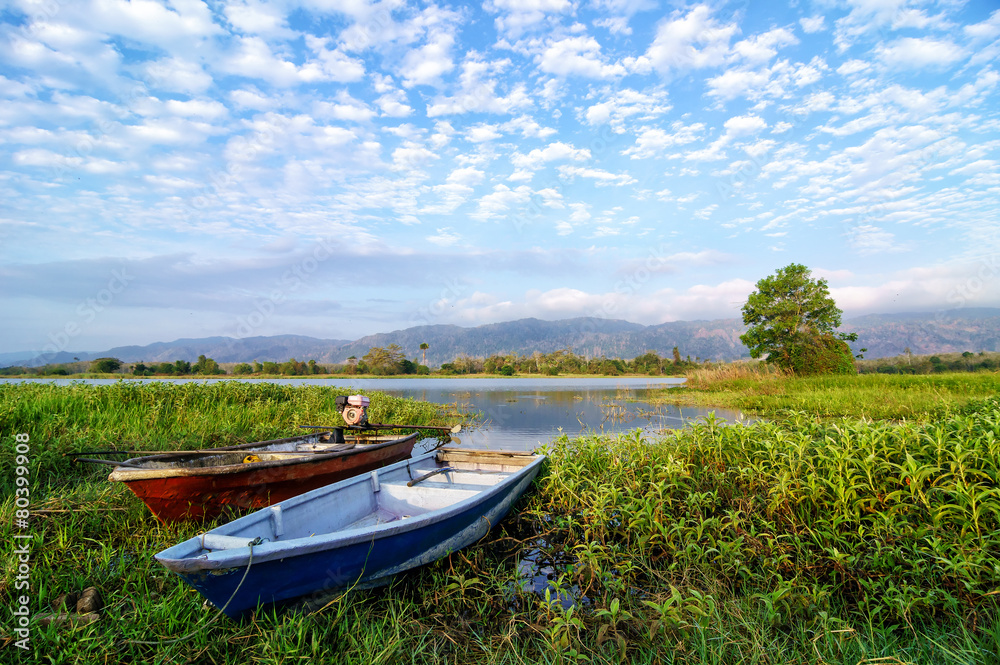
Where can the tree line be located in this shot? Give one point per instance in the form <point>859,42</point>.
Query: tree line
<point>387,361</point>
<point>908,363</point>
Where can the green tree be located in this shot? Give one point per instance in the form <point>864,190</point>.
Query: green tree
<point>105,365</point>
<point>205,366</point>
<point>293,367</point>
<point>423,349</point>
<point>243,369</point>
<point>791,317</point>
<point>383,361</point>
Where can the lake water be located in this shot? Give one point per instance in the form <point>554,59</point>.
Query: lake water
<point>523,413</point>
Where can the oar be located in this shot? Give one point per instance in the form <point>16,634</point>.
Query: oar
<point>106,461</point>
<point>209,452</point>
<point>453,430</point>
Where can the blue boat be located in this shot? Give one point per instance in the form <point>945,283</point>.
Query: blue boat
<point>356,533</point>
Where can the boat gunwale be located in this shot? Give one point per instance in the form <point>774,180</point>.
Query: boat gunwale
<point>128,474</point>
<point>237,558</point>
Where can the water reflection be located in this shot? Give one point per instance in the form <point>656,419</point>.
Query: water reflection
<point>523,417</point>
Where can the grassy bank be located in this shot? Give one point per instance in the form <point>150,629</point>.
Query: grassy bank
<point>799,540</point>
<point>763,391</point>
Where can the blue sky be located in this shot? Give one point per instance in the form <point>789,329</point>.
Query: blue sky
<point>337,168</point>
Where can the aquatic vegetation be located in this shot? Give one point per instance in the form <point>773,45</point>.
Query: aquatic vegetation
<point>799,521</point>
<point>802,539</point>
<point>757,389</point>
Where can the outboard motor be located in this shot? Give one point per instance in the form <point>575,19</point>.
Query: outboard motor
<point>353,409</point>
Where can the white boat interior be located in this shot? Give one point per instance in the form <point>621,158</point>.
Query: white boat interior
<point>398,492</point>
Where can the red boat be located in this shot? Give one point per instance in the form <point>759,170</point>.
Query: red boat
<point>202,484</point>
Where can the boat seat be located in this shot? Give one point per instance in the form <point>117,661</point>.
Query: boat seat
<point>214,541</point>
<point>430,484</point>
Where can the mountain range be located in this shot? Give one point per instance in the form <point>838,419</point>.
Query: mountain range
<point>883,335</point>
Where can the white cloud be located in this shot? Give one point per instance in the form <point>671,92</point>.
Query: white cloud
<point>527,127</point>
<point>426,65</point>
<point>467,176</point>
<point>758,49</point>
<point>600,176</point>
<point>482,132</point>
<point>251,98</point>
<point>988,29</point>
<point>518,16</point>
<point>208,109</point>
<point>653,141</point>
<point>254,59</point>
<point>812,24</point>
<point>500,200</point>
<point>577,56</point>
<point>735,83</point>
<point>853,67</point>
<point>868,239</point>
<point>445,237</point>
<point>252,17</point>
<point>742,125</point>
<point>912,52</point>
<point>344,108</point>
<point>412,155</point>
<point>580,212</point>
<point>620,106</point>
<point>178,75</point>
<point>866,129</point>
<point>564,228</point>
<point>477,91</point>
<point>617,25</point>
<point>692,41</point>
<point>552,152</point>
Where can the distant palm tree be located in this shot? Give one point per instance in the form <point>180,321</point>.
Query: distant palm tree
<point>423,348</point>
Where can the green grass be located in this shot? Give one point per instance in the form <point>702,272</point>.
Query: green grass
<point>167,416</point>
<point>873,396</point>
<point>800,540</point>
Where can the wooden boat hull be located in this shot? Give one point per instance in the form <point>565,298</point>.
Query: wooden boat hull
<point>174,491</point>
<point>311,567</point>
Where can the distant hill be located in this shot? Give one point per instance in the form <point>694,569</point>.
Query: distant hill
<point>221,349</point>
<point>884,335</point>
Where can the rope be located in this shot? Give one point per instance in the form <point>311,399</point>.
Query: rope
<point>255,541</point>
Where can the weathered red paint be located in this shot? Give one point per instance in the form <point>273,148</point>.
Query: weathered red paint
<point>208,491</point>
